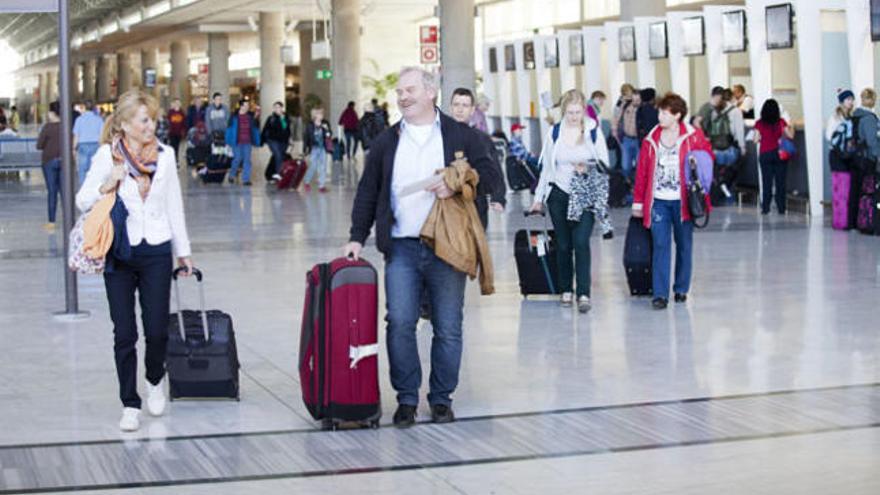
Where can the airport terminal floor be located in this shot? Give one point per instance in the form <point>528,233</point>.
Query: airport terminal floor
<point>766,381</point>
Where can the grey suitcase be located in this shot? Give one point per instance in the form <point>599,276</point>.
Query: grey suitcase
<point>202,359</point>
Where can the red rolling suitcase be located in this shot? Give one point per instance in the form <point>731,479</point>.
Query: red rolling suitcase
<point>292,172</point>
<point>338,352</point>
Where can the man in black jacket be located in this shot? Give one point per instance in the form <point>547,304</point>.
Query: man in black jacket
<point>276,134</point>
<point>396,192</point>
<point>462,108</point>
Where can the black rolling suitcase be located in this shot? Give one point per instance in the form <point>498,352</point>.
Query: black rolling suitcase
<point>202,359</point>
<point>637,252</point>
<point>535,254</point>
<point>519,175</point>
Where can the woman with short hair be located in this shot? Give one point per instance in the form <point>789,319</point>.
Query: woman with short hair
<point>660,197</point>
<point>143,172</point>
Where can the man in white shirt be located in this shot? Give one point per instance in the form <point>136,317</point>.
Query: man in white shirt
<point>409,153</point>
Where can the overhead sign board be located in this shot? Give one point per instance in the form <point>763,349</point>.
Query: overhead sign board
<point>28,6</point>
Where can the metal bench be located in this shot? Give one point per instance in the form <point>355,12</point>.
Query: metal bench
<point>19,154</point>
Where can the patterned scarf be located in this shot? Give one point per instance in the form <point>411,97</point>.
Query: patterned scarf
<point>141,167</point>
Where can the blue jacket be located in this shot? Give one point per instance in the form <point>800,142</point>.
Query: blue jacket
<point>232,131</point>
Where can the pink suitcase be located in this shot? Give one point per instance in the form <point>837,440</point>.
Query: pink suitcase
<point>338,362</point>
<point>840,183</point>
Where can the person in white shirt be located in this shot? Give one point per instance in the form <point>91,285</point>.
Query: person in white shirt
<point>408,153</point>
<point>572,149</point>
<point>143,172</point>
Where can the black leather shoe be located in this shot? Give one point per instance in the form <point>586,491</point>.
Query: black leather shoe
<point>608,235</point>
<point>679,298</point>
<point>405,416</point>
<point>442,414</point>
<point>659,303</point>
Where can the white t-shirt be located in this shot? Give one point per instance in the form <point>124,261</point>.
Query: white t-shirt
<point>667,173</point>
<point>419,155</point>
<point>566,157</point>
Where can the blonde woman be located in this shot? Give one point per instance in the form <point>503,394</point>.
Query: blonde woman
<point>131,159</point>
<point>575,146</point>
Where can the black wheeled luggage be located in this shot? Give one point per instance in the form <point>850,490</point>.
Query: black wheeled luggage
<point>535,254</point>
<point>202,358</point>
<point>519,175</point>
<point>637,253</point>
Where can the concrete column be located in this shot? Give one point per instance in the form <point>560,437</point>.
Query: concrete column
<point>149,60</point>
<point>271,67</point>
<point>52,85</point>
<point>123,73</point>
<point>456,46</point>
<point>309,83</point>
<point>630,9</point>
<point>103,80</point>
<point>76,73</point>
<point>179,87</point>
<point>43,102</point>
<point>90,70</point>
<point>218,65</point>
<point>345,58</point>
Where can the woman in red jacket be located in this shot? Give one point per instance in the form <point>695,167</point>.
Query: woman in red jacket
<point>659,197</point>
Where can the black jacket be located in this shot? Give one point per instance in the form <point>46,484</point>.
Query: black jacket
<point>273,130</point>
<point>309,136</point>
<point>372,203</point>
<point>646,119</point>
<point>496,191</point>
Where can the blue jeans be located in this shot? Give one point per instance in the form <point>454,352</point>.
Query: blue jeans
<point>242,156</point>
<point>629,150</point>
<point>84,154</point>
<point>773,171</point>
<point>411,266</point>
<point>571,238</point>
<point>666,223</point>
<point>317,162</point>
<point>351,143</point>
<point>52,176</point>
<point>277,148</point>
<point>727,157</point>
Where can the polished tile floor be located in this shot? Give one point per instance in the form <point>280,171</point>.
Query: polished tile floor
<point>766,381</point>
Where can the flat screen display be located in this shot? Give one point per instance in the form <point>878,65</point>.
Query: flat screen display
<point>875,20</point>
<point>529,55</point>
<point>551,53</point>
<point>509,58</point>
<point>657,42</point>
<point>627,43</point>
<point>149,78</point>
<point>493,60</point>
<point>779,26</point>
<point>733,31</point>
<point>693,34</point>
<point>576,49</point>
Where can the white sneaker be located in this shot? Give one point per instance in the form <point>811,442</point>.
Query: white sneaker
<point>726,191</point>
<point>584,304</point>
<point>276,177</point>
<point>156,398</point>
<point>130,419</point>
<point>567,298</point>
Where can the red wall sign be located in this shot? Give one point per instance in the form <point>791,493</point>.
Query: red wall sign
<point>428,35</point>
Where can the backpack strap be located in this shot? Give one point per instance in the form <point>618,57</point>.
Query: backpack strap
<point>593,133</point>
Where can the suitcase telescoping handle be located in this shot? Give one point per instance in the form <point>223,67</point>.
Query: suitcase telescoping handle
<point>528,214</point>
<point>198,274</point>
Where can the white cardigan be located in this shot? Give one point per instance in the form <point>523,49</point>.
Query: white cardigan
<point>157,219</point>
<point>548,156</point>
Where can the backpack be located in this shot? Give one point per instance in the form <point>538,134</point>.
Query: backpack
<point>593,133</point>
<point>719,131</point>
